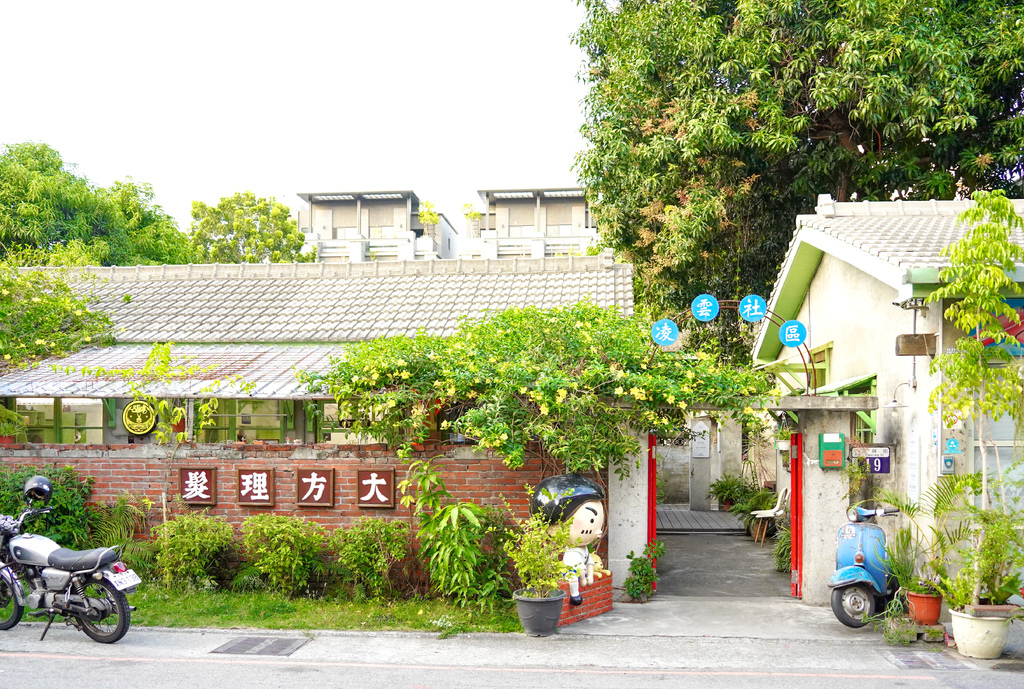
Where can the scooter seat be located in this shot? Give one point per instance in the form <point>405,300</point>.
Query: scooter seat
<point>79,560</point>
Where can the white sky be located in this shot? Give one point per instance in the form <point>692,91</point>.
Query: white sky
<point>203,99</point>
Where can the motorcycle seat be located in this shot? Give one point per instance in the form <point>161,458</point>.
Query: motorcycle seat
<point>78,560</point>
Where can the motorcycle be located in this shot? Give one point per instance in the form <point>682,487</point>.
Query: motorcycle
<point>862,582</point>
<point>87,588</point>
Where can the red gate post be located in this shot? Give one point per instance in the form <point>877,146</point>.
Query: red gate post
<point>652,492</point>
<point>796,513</point>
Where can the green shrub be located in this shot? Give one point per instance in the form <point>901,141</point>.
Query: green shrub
<point>285,550</point>
<point>463,544</point>
<point>68,523</point>
<point>368,550</point>
<point>639,585</point>
<point>188,546</point>
<point>783,550</point>
<point>118,524</point>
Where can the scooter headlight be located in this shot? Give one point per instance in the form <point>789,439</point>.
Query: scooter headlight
<point>852,514</point>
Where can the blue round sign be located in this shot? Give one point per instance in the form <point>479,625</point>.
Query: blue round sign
<point>704,308</point>
<point>753,308</point>
<point>792,333</point>
<point>664,332</point>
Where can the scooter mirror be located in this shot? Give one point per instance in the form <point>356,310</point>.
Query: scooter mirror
<point>853,514</point>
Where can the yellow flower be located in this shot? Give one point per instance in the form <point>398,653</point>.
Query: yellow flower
<point>619,390</point>
<point>36,300</point>
<point>7,357</point>
<point>40,342</point>
<point>522,391</point>
<point>504,436</point>
<point>544,409</point>
<point>560,395</point>
<point>671,399</point>
<point>6,292</point>
<point>78,312</point>
<point>405,374</point>
<point>400,362</point>
<point>748,410</point>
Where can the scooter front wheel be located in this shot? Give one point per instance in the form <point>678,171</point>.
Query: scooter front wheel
<point>853,605</point>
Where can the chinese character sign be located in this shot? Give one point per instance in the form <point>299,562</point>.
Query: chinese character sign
<point>198,485</point>
<point>256,486</point>
<point>314,487</point>
<point>664,332</point>
<point>753,308</point>
<point>792,333</point>
<point>375,487</point>
<point>704,308</point>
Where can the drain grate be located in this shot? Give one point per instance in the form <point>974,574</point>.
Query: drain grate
<point>261,646</point>
<point>925,660</point>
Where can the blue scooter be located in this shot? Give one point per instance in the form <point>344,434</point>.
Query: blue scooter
<point>862,581</point>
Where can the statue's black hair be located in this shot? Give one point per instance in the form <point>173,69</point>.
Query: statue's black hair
<point>557,497</point>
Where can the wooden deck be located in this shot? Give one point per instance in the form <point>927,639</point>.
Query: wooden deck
<point>680,519</point>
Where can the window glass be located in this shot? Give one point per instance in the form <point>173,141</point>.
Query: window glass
<point>65,421</point>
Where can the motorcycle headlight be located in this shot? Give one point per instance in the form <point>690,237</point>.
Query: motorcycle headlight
<point>852,514</point>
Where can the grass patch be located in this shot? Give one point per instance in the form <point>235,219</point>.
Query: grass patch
<point>159,607</point>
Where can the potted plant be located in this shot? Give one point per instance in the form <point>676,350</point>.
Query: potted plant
<point>729,489</point>
<point>782,438</point>
<point>920,552</point>
<point>535,551</point>
<point>9,430</point>
<point>978,596</point>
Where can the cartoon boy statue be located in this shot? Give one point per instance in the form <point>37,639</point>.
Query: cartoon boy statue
<point>575,499</point>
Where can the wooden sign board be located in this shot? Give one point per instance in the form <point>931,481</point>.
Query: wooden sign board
<point>314,487</point>
<point>375,487</point>
<point>198,485</point>
<point>255,486</point>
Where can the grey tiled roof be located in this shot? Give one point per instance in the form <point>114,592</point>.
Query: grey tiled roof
<point>907,234</point>
<point>325,303</point>
<point>270,368</point>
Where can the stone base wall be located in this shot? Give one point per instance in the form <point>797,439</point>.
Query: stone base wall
<point>597,600</point>
<point>152,471</point>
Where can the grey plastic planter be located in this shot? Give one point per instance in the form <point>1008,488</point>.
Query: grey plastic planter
<point>539,616</point>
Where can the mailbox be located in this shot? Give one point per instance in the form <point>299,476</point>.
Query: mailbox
<point>831,450</point>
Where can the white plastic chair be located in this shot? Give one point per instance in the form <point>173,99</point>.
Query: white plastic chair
<point>763,516</point>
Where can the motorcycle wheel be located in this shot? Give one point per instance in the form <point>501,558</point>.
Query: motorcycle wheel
<point>115,625</point>
<point>10,609</point>
<point>853,605</point>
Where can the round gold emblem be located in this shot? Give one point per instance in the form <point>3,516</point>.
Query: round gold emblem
<point>138,417</point>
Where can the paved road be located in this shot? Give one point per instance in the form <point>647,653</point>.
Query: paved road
<point>161,658</point>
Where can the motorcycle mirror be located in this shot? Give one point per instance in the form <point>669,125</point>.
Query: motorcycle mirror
<point>852,514</point>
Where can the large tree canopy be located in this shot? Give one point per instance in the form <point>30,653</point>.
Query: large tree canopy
<point>711,124</point>
<point>48,214</point>
<point>245,229</point>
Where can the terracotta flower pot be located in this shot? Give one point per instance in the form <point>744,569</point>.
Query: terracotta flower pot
<point>924,608</point>
<point>6,439</point>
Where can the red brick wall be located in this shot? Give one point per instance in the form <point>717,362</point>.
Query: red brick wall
<point>151,470</point>
<point>597,599</point>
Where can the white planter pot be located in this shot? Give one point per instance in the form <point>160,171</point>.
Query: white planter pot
<point>979,637</point>
<point>782,445</point>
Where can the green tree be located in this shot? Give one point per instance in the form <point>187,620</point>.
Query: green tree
<point>974,382</point>
<point>712,124</point>
<point>49,215</point>
<point>245,229</point>
<point>41,316</point>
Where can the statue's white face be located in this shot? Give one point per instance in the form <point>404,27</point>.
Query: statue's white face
<point>587,523</point>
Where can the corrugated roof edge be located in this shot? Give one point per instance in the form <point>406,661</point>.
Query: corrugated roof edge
<point>221,271</point>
